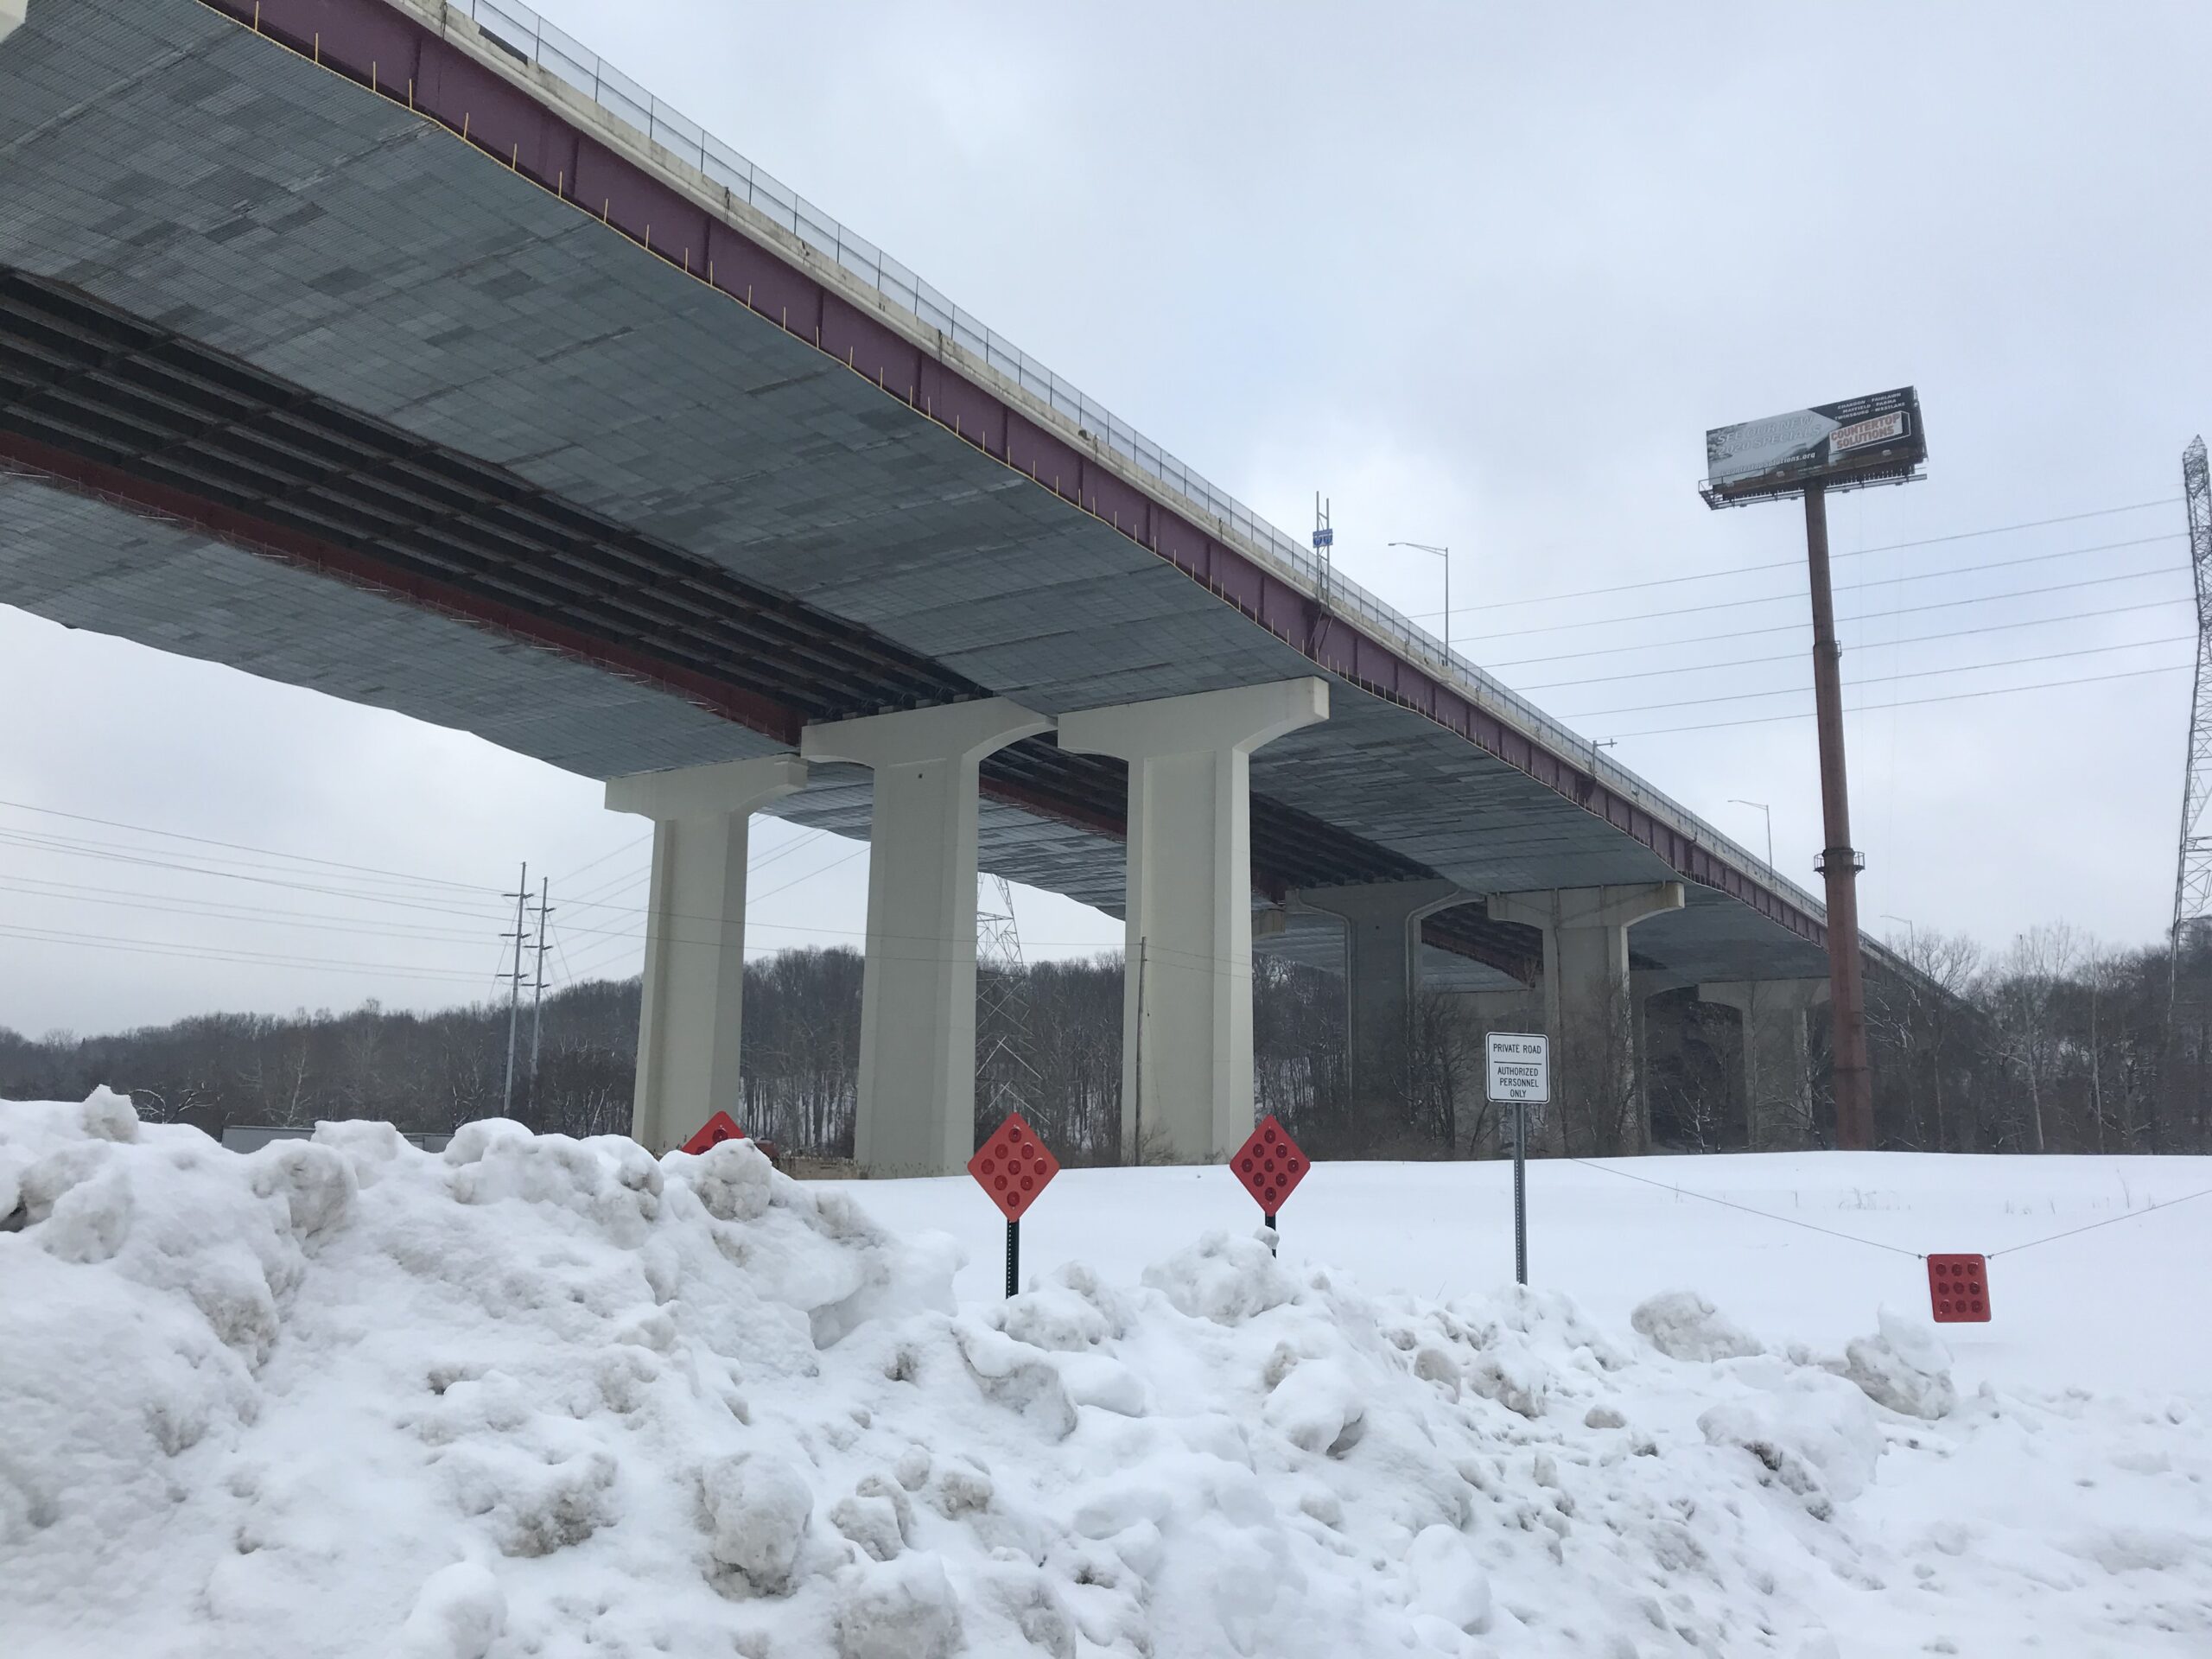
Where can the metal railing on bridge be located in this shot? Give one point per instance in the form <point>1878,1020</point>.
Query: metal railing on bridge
<point>530,37</point>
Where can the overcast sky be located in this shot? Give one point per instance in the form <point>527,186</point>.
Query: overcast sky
<point>1482,275</point>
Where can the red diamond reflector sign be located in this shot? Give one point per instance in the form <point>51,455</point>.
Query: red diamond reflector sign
<point>1958,1290</point>
<point>717,1130</point>
<point>1013,1167</point>
<point>1269,1165</point>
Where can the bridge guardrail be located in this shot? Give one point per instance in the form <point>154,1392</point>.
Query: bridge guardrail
<point>529,37</point>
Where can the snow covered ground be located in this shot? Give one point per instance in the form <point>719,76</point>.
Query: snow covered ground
<point>2123,1307</point>
<point>535,1396</point>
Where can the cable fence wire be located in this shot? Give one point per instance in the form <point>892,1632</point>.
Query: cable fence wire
<point>1730,1203</point>
<point>1875,1244</point>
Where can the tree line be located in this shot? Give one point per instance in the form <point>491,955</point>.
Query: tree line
<point>2052,1044</point>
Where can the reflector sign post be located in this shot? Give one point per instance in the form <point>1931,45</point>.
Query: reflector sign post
<point>1013,1168</point>
<point>717,1130</point>
<point>1271,1166</point>
<point>1958,1290</point>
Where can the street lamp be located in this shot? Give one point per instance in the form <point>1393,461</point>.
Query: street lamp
<point>1444,554</point>
<point>1911,932</point>
<point>1764,807</point>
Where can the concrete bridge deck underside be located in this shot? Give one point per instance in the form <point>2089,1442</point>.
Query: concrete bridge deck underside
<point>173,166</point>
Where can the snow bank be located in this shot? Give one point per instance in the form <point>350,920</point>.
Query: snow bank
<point>1682,1325</point>
<point>1903,1366</point>
<point>542,1396</point>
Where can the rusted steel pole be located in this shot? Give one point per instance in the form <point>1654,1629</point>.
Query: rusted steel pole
<point>1839,861</point>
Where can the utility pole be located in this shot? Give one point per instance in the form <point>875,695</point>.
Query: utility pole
<point>520,895</point>
<point>1810,452</point>
<point>537,998</point>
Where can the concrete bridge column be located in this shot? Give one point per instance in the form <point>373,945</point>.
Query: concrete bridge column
<point>691,1020</point>
<point>1642,985</point>
<point>917,1107</point>
<point>1186,1030</point>
<point>1589,1010</point>
<point>1777,1061</point>
<point>1382,976</point>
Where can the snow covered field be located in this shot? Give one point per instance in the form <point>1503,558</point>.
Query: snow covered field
<point>2122,1307</point>
<point>543,1398</point>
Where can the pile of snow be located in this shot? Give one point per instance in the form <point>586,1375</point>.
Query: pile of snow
<point>541,1396</point>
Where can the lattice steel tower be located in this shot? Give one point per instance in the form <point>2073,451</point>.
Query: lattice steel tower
<point>2193,874</point>
<point>1006,1080</point>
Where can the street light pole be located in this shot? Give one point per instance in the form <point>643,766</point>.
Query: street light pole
<point>1764,807</point>
<point>1444,554</point>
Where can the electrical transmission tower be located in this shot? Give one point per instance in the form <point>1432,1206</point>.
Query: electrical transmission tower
<point>1006,1080</point>
<point>2193,870</point>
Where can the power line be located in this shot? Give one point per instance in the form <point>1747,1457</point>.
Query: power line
<point>1795,564</point>
<point>626,847</point>
<point>213,864</point>
<point>78,894</point>
<point>43,845</point>
<point>1913,703</point>
<point>169,948</point>
<point>269,852</point>
<point>1847,587</point>
<point>1885,679</point>
<point>808,839</point>
<point>591,964</point>
<point>2069,619</point>
<point>1864,616</point>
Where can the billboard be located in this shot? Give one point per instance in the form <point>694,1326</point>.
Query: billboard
<point>1860,441</point>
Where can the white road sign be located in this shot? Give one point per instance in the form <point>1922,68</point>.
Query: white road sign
<point>1520,1067</point>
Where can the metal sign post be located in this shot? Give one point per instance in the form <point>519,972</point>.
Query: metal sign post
<point>1269,1166</point>
<point>1519,1072</point>
<point>1013,1168</point>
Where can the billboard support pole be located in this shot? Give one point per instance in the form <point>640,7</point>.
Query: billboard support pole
<point>1839,861</point>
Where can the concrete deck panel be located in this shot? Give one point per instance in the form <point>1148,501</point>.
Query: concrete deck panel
<point>160,157</point>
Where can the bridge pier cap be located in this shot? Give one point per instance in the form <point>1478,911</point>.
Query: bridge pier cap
<point>916,1112</point>
<point>1186,1026</point>
<point>691,1013</point>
